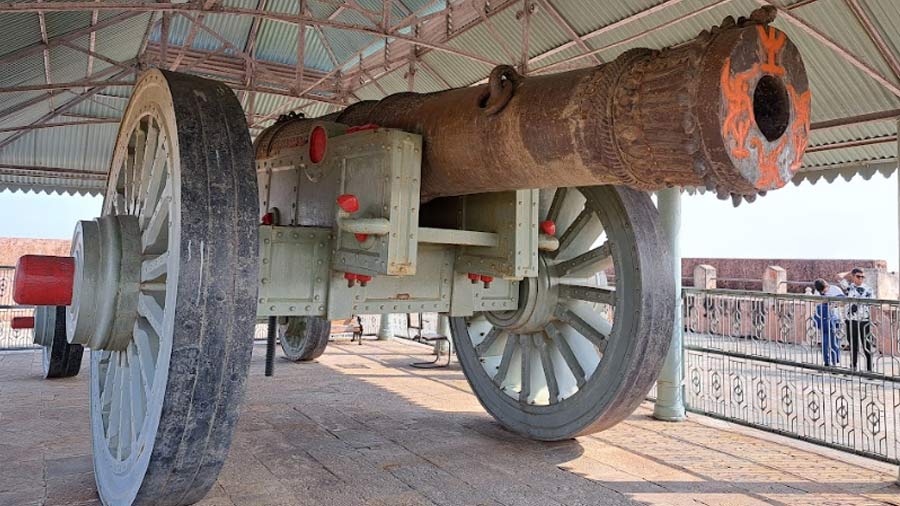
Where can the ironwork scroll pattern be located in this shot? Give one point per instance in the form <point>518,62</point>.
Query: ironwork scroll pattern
<point>759,360</point>
<point>10,338</point>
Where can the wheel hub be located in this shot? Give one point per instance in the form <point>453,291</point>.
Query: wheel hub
<point>107,254</point>
<point>538,297</point>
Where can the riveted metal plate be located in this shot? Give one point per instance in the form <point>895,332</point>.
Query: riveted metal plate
<point>426,291</point>
<point>382,168</point>
<point>293,270</point>
<point>513,216</point>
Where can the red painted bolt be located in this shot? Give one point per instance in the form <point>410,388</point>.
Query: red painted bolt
<point>473,277</point>
<point>348,203</point>
<point>487,281</point>
<point>351,279</point>
<point>548,227</point>
<point>44,280</point>
<point>22,322</point>
<point>268,219</point>
<point>363,279</point>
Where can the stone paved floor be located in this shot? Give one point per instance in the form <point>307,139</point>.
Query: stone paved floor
<point>362,428</point>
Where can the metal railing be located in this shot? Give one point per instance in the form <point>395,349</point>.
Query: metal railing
<point>10,338</point>
<point>825,370</point>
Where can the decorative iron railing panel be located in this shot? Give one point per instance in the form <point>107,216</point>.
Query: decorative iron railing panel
<point>826,370</point>
<point>10,338</point>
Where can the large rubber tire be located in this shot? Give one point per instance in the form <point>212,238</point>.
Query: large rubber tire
<point>60,359</point>
<point>304,338</point>
<point>634,351</point>
<point>182,377</point>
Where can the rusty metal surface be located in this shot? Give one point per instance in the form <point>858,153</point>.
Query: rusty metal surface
<point>728,111</point>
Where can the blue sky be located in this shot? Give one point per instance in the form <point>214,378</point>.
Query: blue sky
<point>839,220</point>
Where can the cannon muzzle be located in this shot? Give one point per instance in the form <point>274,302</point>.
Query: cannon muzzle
<point>728,111</point>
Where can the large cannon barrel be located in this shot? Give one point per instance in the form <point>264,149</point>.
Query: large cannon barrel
<point>728,110</point>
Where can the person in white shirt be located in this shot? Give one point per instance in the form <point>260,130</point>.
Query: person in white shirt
<point>857,320</point>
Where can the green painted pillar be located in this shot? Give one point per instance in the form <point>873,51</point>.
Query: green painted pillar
<point>670,385</point>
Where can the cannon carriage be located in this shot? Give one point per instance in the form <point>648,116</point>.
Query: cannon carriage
<point>506,206</point>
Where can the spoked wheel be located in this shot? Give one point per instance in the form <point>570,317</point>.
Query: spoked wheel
<point>578,355</point>
<point>60,359</point>
<point>304,337</point>
<point>165,290</point>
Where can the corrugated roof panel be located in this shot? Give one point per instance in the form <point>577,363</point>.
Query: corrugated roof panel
<point>121,41</point>
<point>60,147</point>
<point>19,30</point>
<point>101,139</point>
<point>545,33</point>
<point>873,152</point>
<point>68,65</point>
<point>886,17</point>
<point>24,71</point>
<point>232,28</point>
<point>837,20</point>
<point>98,106</point>
<point>853,132</point>
<point>838,88</point>
<point>586,16</point>
<point>51,185</point>
<point>458,71</point>
<point>277,42</point>
<point>61,23</point>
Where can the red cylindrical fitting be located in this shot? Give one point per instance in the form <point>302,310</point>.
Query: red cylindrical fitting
<point>44,280</point>
<point>348,203</point>
<point>361,237</point>
<point>268,219</point>
<point>473,277</point>
<point>318,141</point>
<point>548,227</point>
<point>22,322</point>
<point>363,279</point>
<point>351,279</point>
<point>487,280</point>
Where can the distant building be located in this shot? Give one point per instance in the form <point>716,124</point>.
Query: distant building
<point>747,273</point>
<point>11,248</point>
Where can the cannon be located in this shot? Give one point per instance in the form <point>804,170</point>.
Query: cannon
<point>518,208</point>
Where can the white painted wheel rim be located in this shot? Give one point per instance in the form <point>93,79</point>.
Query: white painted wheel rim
<point>128,387</point>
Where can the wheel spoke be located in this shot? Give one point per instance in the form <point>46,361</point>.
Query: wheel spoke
<point>556,204</point>
<point>152,311</point>
<point>136,391</point>
<point>158,220</point>
<point>594,335</point>
<point>146,348</point>
<point>597,259</point>
<point>593,294</point>
<point>488,341</point>
<point>106,392</point>
<point>506,360</point>
<point>148,162</point>
<point>547,366</point>
<point>155,181</point>
<point>525,390</point>
<point>132,183</point>
<point>115,408</point>
<point>154,267</point>
<point>566,351</point>
<point>125,406</point>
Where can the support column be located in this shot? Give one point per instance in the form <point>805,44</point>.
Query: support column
<point>669,387</point>
<point>897,173</point>
<point>384,327</point>
<point>443,328</point>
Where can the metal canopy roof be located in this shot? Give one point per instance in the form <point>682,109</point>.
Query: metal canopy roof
<point>66,67</point>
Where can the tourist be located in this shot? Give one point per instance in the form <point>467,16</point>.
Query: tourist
<point>828,322</point>
<point>858,322</point>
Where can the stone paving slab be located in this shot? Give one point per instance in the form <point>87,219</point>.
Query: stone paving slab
<point>361,427</point>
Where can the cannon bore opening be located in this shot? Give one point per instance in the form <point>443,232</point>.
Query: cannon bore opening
<point>771,107</point>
